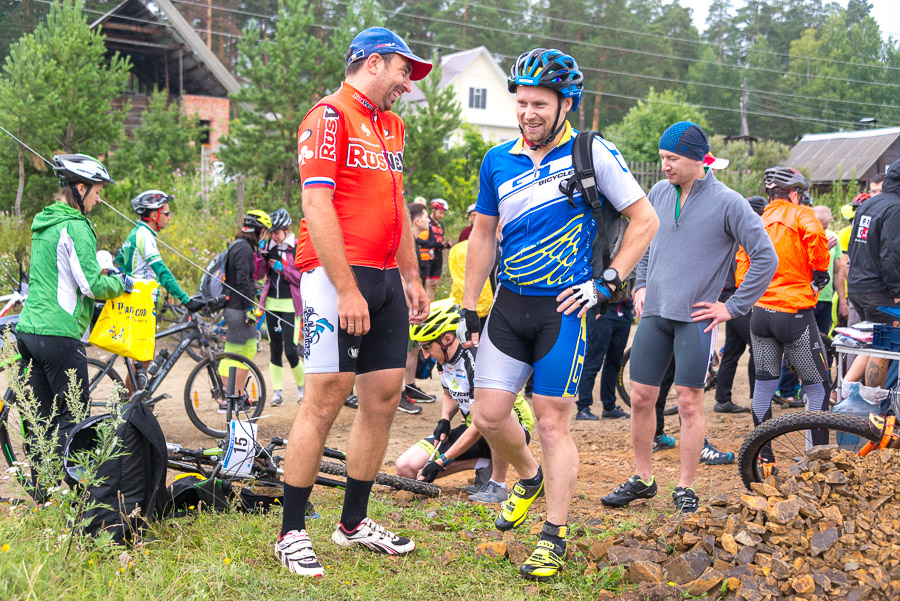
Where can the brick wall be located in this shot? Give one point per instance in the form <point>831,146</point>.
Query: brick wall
<point>214,110</point>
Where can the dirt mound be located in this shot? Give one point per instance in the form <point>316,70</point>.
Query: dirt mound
<point>827,529</point>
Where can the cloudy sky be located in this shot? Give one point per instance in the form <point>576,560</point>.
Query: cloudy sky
<point>886,12</point>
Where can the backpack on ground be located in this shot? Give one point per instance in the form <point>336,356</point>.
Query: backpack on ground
<point>212,283</point>
<point>611,224</point>
<point>134,483</point>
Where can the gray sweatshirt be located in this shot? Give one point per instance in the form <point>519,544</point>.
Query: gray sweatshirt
<point>688,259</point>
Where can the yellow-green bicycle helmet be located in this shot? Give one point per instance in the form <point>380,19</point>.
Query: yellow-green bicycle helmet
<point>443,317</point>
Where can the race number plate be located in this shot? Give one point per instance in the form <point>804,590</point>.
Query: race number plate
<point>240,451</point>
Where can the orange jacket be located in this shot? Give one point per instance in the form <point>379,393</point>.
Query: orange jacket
<point>346,144</point>
<point>802,248</point>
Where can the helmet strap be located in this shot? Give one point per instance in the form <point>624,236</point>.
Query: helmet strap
<point>444,348</point>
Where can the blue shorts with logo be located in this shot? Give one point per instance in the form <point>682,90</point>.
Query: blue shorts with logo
<point>525,334</point>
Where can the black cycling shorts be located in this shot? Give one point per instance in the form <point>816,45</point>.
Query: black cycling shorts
<point>774,334</point>
<point>867,303</point>
<point>479,450</point>
<point>431,270</point>
<point>329,349</point>
<point>525,334</point>
<point>657,339</point>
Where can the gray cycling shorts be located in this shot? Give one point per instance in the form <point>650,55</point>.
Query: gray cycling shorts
<point>657,339</point>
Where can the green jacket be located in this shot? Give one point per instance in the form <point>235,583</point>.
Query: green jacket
<point>65,277</point>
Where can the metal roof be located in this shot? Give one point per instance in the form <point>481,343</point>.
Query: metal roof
<point>157,37</point>
<point>844,156</point>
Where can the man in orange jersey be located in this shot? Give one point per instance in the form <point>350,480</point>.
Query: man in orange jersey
<point>360,288</point>
<point>783,320</point>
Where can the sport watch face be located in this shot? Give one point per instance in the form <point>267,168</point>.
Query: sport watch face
<point>611,276</point>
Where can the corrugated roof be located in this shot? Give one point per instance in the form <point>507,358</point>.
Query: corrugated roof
<point>136,28</point>
<point>842,156</point>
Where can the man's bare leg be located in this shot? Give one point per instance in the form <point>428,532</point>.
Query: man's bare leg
<point>492,415</point>
<point>324,397</point>
<point>693,432</point>
<point>554,418</point>
<point>643,425</point>
<point>371,429</point>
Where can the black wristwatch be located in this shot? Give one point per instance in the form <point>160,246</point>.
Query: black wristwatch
<point>611,277</point>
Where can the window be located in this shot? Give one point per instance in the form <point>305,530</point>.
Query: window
<point>477,98</point>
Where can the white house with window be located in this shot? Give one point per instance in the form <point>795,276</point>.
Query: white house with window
<point>480,86</point>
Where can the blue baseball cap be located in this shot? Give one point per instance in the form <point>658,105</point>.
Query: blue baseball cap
<point>379,40</point>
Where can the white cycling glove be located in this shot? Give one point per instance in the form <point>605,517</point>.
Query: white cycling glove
<point>589,294</point>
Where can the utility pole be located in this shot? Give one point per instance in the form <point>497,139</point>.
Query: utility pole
<point>209,24</point>
<point>745,97</point>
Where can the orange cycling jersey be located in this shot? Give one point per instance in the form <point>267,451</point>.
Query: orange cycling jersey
<point>802,247</point>
<point>348,145</point>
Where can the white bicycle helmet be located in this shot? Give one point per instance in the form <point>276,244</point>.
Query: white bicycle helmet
<point>80,168</point>
<point>439,203</point>
<point>150,201</point>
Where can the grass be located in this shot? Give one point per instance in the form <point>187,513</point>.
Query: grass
<point>229,556</point>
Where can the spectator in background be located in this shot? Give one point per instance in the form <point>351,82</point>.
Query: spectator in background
<point>823,308</point>
<point>876,183</point>
<point>470,215</point>
<point>737,339</point>
<point>435,242</point>
<point>456,261</point>
<point>874,278</point>
<point>607,336</point>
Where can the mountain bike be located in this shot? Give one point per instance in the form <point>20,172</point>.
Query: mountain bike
<point>241,458</point>
<point>778,443</point>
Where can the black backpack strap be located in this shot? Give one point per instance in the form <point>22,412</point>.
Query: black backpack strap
<point>584,180</point>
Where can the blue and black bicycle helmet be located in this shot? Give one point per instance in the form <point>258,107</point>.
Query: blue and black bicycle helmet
<point>548,68</point>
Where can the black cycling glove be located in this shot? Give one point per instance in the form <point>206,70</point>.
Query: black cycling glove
<point>194,305</point>
<point>443,428</point>
<point>469,323</point>
<point>431,470</point>
<point>820,279</point>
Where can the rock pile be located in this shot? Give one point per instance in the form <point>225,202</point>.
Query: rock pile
<point>827,529</point>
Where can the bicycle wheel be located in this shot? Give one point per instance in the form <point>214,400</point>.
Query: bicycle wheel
<point>214,326</point>
<point>623,385</point>
<point>100,382</point>
<point>204,393</point>
<point>12,435</point>
<point>396,482</point>
<point>786,436</point>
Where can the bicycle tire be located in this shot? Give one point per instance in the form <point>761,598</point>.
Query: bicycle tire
<point>12,437</point>
<point>216,335</point>
<point>624,394</point>
<point>784,433</point>
<point>100,383</point>
<point>202,403</point>
<point>396,482</point>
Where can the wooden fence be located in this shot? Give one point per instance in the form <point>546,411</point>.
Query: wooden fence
<point>646,173</point>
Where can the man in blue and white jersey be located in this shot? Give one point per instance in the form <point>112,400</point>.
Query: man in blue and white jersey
<point>537,322</point>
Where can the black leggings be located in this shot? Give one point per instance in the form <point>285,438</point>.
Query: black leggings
<point>51,357</point>
<point>281,338</point>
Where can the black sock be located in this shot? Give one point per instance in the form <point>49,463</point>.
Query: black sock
<point>356,503</point>
<point>295,499</point>
<point>535,480</point>
<point>556,535</point>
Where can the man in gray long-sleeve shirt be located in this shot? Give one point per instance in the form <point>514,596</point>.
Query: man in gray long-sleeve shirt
<point>701,222</point>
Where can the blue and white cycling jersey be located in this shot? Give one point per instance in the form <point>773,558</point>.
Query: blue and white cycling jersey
<point>545,242</point>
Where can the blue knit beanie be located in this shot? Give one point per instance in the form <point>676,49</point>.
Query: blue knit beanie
<point>685,139</point>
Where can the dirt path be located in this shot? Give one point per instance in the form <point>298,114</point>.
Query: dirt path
<point>604,446</point>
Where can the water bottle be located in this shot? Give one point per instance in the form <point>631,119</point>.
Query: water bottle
<point>853,404</point>
<point>157,362</point>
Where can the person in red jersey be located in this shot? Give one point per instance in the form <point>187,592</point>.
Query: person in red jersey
<point>360,286</point>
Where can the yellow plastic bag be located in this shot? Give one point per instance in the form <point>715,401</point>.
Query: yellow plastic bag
<point>127,325</point>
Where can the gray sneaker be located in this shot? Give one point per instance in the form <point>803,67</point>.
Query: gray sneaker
<point>482,475</point>
<point>490,493</point>
<point>277,400</point>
